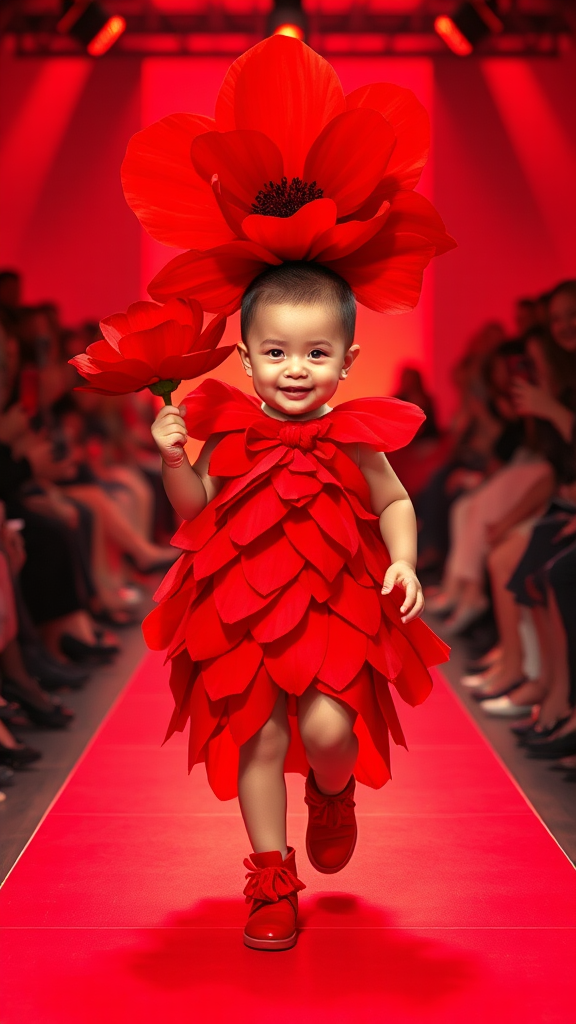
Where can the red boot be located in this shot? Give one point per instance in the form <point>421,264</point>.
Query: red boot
<point>272,889</point>
<point>332,832</point>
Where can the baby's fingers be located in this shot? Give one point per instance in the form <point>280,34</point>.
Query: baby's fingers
<point>417,608</point>
<point>410,593</point>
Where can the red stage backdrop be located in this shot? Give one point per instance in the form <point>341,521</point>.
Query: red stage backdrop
<point>501,172</point>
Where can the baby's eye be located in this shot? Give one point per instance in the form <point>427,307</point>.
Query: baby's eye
<point>276,353</point>
<point>317,353</point>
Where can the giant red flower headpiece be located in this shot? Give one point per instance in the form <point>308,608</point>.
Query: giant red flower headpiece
<point>152,346</point>
<point>289,169</point>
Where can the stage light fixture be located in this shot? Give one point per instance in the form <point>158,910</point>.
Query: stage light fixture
<point>287,19</point>
<point>469,25</point>
<point>91,25</point>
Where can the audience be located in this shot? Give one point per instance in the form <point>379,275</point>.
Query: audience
<point>82,520</point>
<point>510,545</point>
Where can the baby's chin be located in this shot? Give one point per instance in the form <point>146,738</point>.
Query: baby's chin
<point>284,403</point>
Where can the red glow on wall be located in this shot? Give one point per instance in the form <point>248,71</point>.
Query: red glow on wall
<point>294,31</point>
<point>107,36</point>
<point>452,36</point>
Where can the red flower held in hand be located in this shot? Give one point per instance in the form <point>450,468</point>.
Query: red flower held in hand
<point>289,169</point>
<point>152,346</point>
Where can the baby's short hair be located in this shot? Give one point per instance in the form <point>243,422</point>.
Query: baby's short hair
<point>300,283</point>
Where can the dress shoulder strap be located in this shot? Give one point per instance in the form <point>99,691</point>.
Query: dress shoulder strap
<point>384,424</point>
<point>215,406</point>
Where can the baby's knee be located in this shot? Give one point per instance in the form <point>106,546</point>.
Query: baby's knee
<point>270,743</point>
<point>325,735</point>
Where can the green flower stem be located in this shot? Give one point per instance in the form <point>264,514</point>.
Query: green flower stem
<point>164,389</point>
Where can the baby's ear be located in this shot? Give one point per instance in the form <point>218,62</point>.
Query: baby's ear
<point>244,354</point>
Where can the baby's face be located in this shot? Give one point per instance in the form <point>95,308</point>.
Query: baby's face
<point>296,355</point>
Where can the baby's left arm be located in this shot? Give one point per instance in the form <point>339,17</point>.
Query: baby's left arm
<point>391,503</point>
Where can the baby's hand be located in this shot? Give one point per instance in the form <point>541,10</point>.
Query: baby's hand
<point>402,574</point>
<point>169,433</point>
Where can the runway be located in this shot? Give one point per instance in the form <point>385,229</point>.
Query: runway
<point>126,908</point>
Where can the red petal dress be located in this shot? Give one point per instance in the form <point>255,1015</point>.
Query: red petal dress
<point>279,585</point>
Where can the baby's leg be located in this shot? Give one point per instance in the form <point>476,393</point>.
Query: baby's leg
<point>261,785</point>
<point>326,728</point>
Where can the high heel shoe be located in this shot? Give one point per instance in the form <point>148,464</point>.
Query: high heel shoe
<point>561,746</point>
<point>18,757</point>
<point>531,734</point>
<point>479,693</point>
<point>78,650</point>
<point>52,715</point>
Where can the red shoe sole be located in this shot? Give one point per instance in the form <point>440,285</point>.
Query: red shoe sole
<point>335,870</point>
<point>271,944</point>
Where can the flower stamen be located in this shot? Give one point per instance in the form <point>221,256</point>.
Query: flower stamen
<point>280,199</point>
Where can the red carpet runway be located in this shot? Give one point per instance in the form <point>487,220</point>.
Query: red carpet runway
<point>126,907</point>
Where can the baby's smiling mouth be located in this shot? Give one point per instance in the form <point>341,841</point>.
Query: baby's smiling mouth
<point>294,389</point>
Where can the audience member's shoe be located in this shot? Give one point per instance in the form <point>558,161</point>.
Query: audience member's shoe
<point>480,693</point>
<point>461,620</point>
<point>50,673</point>
<point>471,682</point>
<point>534,735</point>
<point>13,715</point>
<point>6,776</point>
<point>561,746</point>
<point>504,707</point>
<point>332,830</point>
<point>102,651</point>
<point>272,892</point>
<point>51,714</point>
<point>18,757</point>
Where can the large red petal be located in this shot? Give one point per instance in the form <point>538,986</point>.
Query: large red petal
<point>140,316</point>
<point>249,710</point>
<point>161,185</point>
<point>411,126</point>
<point>291,238</point>
<point>343,239</point>
<point>409,211</point>
<point>388,710</point>
<point>282,614</point>
<point>349,157</point>
<point>270,561</point>
<point>357,604</point>
<point>386,273</point>
<point>206,635</point>
<point>345,653</point>
<point>217,552</point>
<point>309,540</point>
<point>334,516</point>
<point>218,279</point>
<point>194,364</point>
<point>235,598</point>
<point>293,660</point>
<point>293,486</point>
<point>243,161</point>
<point>212,333</point>
<point>284,88</point>
<point>231,672</point>
<point>157,343</point>
<point>256,514</point>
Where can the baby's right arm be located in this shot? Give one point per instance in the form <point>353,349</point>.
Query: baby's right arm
<point>189,488</point>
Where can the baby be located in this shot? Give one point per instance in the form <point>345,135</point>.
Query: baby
<point>278,576</point>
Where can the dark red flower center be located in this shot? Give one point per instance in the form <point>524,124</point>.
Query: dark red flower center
<point>280,199</point>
